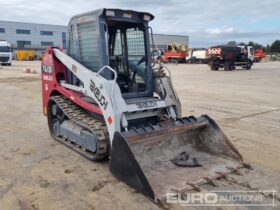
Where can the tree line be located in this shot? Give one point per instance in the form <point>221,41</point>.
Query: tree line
<point>274,47</point>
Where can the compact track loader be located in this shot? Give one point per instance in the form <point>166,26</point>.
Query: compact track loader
<point>106,100</point>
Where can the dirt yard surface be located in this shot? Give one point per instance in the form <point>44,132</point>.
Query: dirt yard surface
<point>36,172</point>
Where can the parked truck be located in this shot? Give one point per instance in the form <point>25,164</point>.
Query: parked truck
<point>228,57</point>
<point>175,53</point>
<point>197,56</point>
<point>5,53</point>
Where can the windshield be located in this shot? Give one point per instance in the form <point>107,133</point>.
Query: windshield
<point>5,49</point>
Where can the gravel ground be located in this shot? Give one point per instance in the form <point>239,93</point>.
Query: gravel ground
<point>39,173</point>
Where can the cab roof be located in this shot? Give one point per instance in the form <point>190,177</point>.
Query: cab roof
<point>102,12</point>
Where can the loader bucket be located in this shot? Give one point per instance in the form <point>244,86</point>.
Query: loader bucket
<point>176,157</point>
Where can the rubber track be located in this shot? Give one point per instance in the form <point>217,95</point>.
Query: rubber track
<point>77,115</point>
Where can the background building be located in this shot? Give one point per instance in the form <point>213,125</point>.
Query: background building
<point>162,40</point>
<point>32,36</point>
<point>38,36</point>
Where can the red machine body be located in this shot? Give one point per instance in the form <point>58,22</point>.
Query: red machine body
<point>54,71</point>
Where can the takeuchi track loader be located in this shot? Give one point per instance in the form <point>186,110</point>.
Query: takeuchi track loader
<point>105,99</point>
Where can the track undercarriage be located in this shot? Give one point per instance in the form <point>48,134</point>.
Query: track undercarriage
<point>69,123</point>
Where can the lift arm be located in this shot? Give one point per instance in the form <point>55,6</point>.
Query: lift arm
<point>105,92</point>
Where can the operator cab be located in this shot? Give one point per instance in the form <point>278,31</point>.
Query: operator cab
<point>118,38</point>
<point>128,55</point>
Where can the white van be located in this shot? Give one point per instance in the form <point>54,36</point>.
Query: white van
<point>5,53</point>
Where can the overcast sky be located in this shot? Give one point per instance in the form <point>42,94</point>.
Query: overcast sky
<point>206,22</point>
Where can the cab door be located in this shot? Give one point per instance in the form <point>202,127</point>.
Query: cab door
<point>250,50</point>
